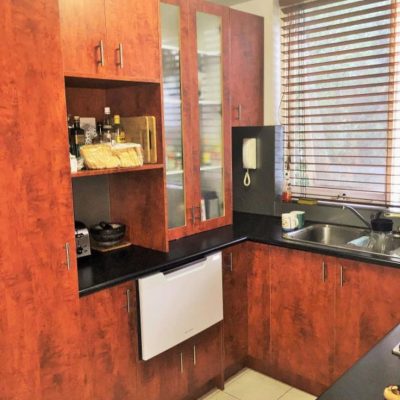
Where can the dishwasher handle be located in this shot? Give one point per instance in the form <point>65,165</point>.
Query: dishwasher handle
<point>186,269</point>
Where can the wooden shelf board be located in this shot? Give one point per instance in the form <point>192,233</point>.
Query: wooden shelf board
<point>109,171</point>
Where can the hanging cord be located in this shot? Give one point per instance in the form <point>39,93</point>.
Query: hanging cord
<point>246,180</point>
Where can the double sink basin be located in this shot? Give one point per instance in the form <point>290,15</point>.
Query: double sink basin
<point>347,238</point>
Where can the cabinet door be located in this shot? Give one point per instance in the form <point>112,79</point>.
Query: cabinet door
<point>39,309</point>
<point>83,28</point>
<point>165,376</point>
<point>177,124</point>
<point>133,37</point>
<point>210,114</point>
<point>109,343</point>
<point>247,68</point>
<point>366,309</point>
<point>302,319</point>
<point>258,292</point>
<point>206,359</point>
<point>235,264</point>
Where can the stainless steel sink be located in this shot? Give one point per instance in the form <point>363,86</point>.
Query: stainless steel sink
<point>343,237</point>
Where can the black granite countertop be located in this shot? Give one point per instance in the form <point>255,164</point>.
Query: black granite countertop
<point>369,376</point>
<point>100,271</point>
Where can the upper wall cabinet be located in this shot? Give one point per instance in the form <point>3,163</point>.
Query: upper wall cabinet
<point>111,39</point>
<point>195,58</point>
<point>247,69</point>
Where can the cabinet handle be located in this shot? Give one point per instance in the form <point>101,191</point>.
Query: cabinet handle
<point>239,112</point>
<point>181,363</point>
<point>341,276</point>
<point>230,265</point>
<point>101,48</point>
<point>67,256</point>
<point>323,272</point>
<point>120,56</point>
<point>128,300</point>
<point>199,217</point>
<point>194,355</point>
<point>193,216</point>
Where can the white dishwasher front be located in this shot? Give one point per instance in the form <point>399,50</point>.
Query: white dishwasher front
<point>178,304</point>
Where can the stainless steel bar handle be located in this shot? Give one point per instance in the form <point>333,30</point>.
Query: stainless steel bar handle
<point>67,256</point>
<point>194,355</point>
<point>323,272</point>
<point>231,261</point>
<point>239,113</point>
<point>181,363</point>
<point>341,276</point>
<point>101,48</point>
<point>120,55</point>
<point>128,301</point>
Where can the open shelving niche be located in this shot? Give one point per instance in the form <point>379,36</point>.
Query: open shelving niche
<point>133,196</point>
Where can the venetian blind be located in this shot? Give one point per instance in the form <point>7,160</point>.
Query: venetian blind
<point>339,88</point>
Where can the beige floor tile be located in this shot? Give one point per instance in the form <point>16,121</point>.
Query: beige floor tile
<point>295,394</point>
<point>251,385</point>
<point>217,395</point>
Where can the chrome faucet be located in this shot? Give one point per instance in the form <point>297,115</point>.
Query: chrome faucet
<point>355,212</point>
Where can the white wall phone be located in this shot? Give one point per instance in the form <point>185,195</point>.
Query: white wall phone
<point>249,158</point>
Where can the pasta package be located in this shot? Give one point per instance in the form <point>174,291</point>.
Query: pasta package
<point>99,156</point>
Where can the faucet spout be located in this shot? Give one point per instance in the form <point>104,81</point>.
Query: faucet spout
<point>355,212</point>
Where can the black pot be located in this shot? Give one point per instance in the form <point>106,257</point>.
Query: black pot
<point>382,225</point>
<point>108,234</point>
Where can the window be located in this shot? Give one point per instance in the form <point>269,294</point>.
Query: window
<point>339,108</point>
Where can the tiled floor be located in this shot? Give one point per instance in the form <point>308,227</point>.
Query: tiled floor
<point>251,385</point>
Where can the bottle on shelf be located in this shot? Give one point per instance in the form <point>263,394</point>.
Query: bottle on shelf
<point>107,126</point>
<point>77,137</point>
<point>286,190</point>
<point>99,133</point>
<point>119,132</point>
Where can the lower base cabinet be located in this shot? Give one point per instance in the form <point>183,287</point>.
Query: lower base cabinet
<point>302,319</point>
<point>367,299</point>
<point>298,316</point>
<point>110,353</point>
<point>109,343</point>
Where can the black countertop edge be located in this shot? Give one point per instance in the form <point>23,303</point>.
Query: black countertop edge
<point>368,377</point>
<point>165,264</point>
<point>101,271</point>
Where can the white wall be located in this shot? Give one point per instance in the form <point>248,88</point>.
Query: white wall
<point>269,9</point>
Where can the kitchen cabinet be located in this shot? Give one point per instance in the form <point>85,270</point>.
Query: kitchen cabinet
<point>195,59</point>
<point>246,307</point>
<point>207,358</point>
<point>259,308</point>
<point>111,39</point>
<point>302,318</point>
<point>186,371</point>
<point>109,343</point>
<point>39,304</point>
<point>247,68</point>
<point>365,298</point>
<point>235,264</point>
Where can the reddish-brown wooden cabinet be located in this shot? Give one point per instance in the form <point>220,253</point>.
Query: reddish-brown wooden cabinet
<point>195,55</point>
<point>39,304</point>
<point>366,299</point>
<point>109,343</point>
<point>111,39</point>
<point>186,371</point>
<point>302,318</point>
<point>235,265</point>
<point>247,68</point>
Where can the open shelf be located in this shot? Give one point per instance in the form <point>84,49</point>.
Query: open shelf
<point>109,171</point>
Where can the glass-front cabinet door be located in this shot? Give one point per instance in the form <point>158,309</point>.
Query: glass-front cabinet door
<point>195,46</point>
<point>210,97</point>
<point>173,121</point>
